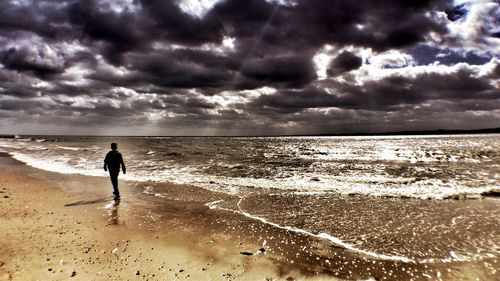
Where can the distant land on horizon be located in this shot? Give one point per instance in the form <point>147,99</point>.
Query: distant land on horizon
<point>403,133</point>
<point>424,132</point>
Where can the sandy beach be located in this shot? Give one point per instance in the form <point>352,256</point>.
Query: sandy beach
<point>51,234</point>
<point>67,227</point>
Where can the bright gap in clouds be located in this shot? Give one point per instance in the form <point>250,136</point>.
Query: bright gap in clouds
<point>119,6</point>
<point>197,8</point>
<point>460,2</point>
<point>322,60</point>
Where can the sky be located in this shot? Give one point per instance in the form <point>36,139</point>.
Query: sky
<point>234,67</point>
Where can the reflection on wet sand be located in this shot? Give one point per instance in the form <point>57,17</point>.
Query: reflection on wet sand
<point>113,212</point>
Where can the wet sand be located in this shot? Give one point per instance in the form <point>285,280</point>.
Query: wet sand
<point>67,227</point>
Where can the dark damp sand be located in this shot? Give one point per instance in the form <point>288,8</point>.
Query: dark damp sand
<point>151,238</point>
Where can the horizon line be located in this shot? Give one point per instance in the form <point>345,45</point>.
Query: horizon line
<point>387,133</point>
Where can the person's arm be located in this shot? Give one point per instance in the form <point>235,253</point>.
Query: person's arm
<point>123,165</point>
<point>106,163</point>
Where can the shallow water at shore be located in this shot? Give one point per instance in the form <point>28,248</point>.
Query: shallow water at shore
<point>419,231</point>
<point>425,167</point>
<point>392,229</point>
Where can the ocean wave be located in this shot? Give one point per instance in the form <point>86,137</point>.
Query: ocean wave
<point>346,166</point>
<point>364,186</point>
<point>58,165</point>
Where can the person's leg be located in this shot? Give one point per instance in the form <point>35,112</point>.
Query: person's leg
<point>114,180</point>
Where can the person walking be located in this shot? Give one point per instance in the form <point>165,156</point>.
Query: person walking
<point>112,162</point>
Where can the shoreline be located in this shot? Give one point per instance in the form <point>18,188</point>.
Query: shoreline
<point>50,233</point>
<point>76,221</point>
<point>79,233</point>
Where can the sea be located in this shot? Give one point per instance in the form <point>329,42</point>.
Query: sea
<point>407,198</point>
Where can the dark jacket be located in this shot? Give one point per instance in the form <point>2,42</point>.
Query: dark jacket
<point>113,161</point>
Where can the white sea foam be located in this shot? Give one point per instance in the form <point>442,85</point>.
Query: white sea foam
<point>341,165</point>
<point>149,191</point>
<point>376,187</point>
<point>368,186</point>
<point>68,148</point>
<point>59,165</point>
<point>213,205</point>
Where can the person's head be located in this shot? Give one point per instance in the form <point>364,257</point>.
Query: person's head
<point>114,146</point>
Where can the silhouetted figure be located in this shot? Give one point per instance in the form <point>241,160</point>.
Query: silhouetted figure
<point>112,162</point>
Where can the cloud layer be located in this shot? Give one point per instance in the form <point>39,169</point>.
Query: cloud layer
<point>247,67</point>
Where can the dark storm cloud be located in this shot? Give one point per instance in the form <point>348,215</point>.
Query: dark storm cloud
<point>262,31</point>
<point>46,18</point>
<point>293,101</point>
<point>377,24</point>
<point>206,59</point>
<point>344,62</point>
<point>391,93</point>
<point>118,32</point>
<point>166,70</point>
<point>90,61</point>
<point>16,84</point>
<point>20,60</point>
<point>293,71</point>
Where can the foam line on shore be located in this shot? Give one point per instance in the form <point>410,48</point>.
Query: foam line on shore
<point>322,235</point>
